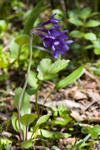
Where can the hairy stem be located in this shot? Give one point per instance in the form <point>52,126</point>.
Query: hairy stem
<point>24,87</point>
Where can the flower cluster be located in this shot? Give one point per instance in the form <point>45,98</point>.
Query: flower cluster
<point>53,38</point>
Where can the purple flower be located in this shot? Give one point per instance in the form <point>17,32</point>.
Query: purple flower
<point>52,37</point>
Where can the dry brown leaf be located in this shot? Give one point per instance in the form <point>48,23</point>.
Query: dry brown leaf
<point>79,95</point>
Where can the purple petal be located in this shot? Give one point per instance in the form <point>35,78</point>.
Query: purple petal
<point>45,23</point>
<point>48,41</point>
<point>65,47</point>
<point>53,15</point>
<point>56,26</point>
<point>56,43</point>
<point>45,30</point>
<point>54,20</point>
<point>54,33</point>
<point>64,36</point>
<point>69,42</point>
<point>45,43</point>
<point>53,48</point>
<point>55,55</point>
<point>61,52</point>
<point>64,31</point>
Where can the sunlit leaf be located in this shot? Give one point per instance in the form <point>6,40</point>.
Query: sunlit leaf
<point>75,21</point>
<point>92,23</point>
<point>85,12</point>
<point>43,67</point>
<point>32,80</point>
<point>42,119</point>
<point>90,36</point>
<point>97,51</point>
<point>47,70</point>
<point>3,25</point>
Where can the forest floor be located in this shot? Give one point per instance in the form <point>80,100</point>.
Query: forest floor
<point>82,99</point>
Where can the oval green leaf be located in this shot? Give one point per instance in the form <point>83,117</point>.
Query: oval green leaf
<point>92,23</point>
<point>28,119</point>
<point>42,119</point>
<point>90,36</point>
<point>32,80</point>
<point>97,51</point>
<point>47,70</point>
<point>85,13</point>
<point>76,22</point>
<point>76,34</point>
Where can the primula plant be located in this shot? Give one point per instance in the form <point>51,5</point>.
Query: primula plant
<point>46,70</point>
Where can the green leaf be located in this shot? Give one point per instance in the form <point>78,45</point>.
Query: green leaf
<point>42,119</point>
<point>47,70</point>
<point>60,122</point>
<point>23,39</point>
<point>76,22</point>
<point>14,120</point>
<point>81,142</point>
<point>97,51</point>
<point>57,66</point>
<point>71,78</point>
<point>31,91</point>
<point>14,48</point>
<point>89,46</point>
<point>24,106</point>
<point>32,17</point>
<point>85,12</point>
<point>0,144</point>
<point>95,70</point>
<point>92,23</point>
<point>3,25</point>
<point>59,13</point>
<point>62,111</point>
<point>76,34</point>
<point>26,144</point>
<point>95,131</point>
<point>90,36</point>
<point>43,67</point>
<point>45,133</point>
<point>28,119</point>
<point>93,14</point>
<point>32,80</point>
